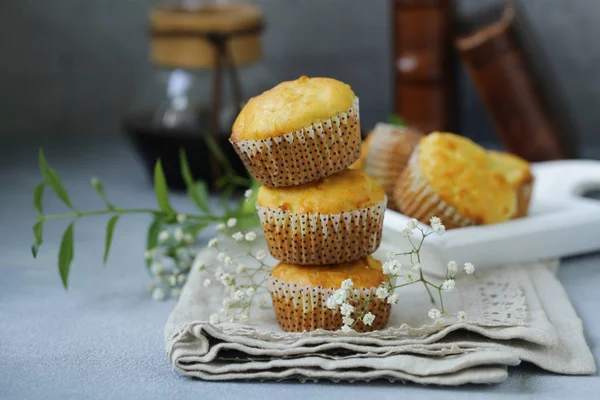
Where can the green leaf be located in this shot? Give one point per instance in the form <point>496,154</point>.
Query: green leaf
<point>395,119</point>
<point>38,230</point>
<point>152,236</point>
<point>110,227</point>
<point>97,185</point>
<point>38,193</point>
<point>65,255</point>
<point>51,179</point>
<point>161,190</point>
<point>196,190</point>
<point>218,153</point>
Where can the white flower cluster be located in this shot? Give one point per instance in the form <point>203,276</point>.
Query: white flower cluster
<point>170,262</point>
<point>237,273</point>
<point>350,315</point>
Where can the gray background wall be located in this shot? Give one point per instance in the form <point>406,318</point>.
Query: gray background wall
<point>67,67</point>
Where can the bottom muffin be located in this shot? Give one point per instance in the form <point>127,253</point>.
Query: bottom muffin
<point>300,293</point>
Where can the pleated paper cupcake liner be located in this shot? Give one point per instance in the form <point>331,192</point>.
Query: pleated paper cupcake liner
<point>417,199</point>
<point>317,239</point>
<point>523,198</point>
<point>388,156</point>
<point>305,155</point>
<point>303,308</point>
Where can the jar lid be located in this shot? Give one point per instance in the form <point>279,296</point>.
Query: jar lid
<point>184,38</point>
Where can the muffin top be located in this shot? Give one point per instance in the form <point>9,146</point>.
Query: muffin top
<point>348,190</point>
<point>459,172</point>
<point>365,273</point>
<point>515,170</point>
<point>290,106</point>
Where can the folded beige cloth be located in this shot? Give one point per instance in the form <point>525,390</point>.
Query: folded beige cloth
<point>515,313</point>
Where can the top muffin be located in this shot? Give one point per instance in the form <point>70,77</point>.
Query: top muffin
<point>515,170</point>
<point>290,106</point>
<point>348,190</point>
<point>459,172</point>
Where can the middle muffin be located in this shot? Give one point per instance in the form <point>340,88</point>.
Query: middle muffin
<point>330,221</point>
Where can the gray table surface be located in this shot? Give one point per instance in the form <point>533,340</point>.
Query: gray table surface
<point>104,337</point>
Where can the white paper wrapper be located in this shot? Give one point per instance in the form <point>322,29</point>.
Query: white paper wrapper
<point>417,199</point>
<point>303,308</point>
<point>317,239</point>
<point>305,155</point>
<point>389,150</point>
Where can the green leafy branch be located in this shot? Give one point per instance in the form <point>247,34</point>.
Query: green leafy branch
<point>163,216</point>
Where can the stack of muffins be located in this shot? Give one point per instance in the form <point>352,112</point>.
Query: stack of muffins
<point>321,220</point>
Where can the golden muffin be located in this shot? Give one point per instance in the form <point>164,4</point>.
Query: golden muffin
<point>388,154</point>
<point>333,220</point>
<point>300,293</point>
<point>449,176</point>
<point>517,173</point>
<point>298,132</point>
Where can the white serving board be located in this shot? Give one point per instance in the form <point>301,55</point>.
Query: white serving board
<point>560,223</point>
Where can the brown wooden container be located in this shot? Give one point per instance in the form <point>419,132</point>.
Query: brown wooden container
<point>423,65</point>
<point>524,104</point>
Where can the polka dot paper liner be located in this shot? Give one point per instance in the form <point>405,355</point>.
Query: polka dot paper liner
<point>389,151</point>
<point>523,198</point>
<point>305,155</point>
<point>303,308</point>
<point>317,239</point>
<point>415,198</point>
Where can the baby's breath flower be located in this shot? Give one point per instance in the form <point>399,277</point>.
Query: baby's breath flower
<point>346,328</point>
<point>261,254</point>
<point>391,267</point>
<point>226,279</point>
<point>347,284</point>
<point>180,253</point>
<point>248,193</point>
<point>393,299</point>
<point>407,232</point>
<point>181,218</point>
<point>417,266</point>
<point>220,227</point>
<point>448,285</point>
<point>227,302</point>
<point>172,279</point>
<point>238,295</point>
<point>214,318</point>
<point>198,265</point>
<point>221,256</point>
<point>349,321</point>
<point>410,276</point>
<point>231,222</point>
<point>382,292</point>
<point>158,294</point>
<point>181,279</point>
<point>250,236</point>
<point>412,224</point>
<point>440,322</point>
<point>462,316</point>
<point>150,254</point>
<point>241,268</point>
<point>469,268</point>
<point>346,309</point>
<point>452,268</point>
<point>250,291</point>
<point>238,236</point>
<point>368,319</point>
<point>178,234</point>
<point>245,317</point>
<point>339,296</point>
<point>228,261</point>
<point>163,236</point>
<point>330,303</point>
<point>206,282</point>
<point>157,268</point>
<point>218,272</point>
<point>390,254</point>
<point>434,314</point>
<point>213,242</point>
<point>188,238</point>
<point>437,226</point>
<point>175,293</point>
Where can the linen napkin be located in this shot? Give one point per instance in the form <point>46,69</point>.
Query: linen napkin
<point>514,313</point>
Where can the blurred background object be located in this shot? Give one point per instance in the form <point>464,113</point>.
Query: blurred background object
<point>71,67</point>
